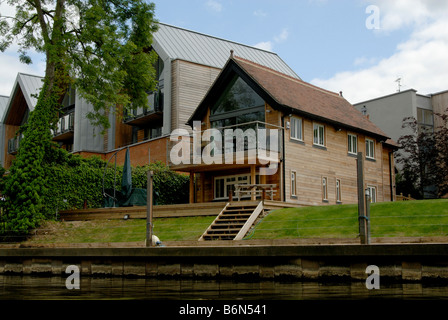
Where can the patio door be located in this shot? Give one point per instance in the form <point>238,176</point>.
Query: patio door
<point>225,184</point>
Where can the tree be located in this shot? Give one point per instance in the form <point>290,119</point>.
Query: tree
<point>424,158</point>
<point>102,48</point>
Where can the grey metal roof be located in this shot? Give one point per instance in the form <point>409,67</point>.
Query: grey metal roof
<point>3,103</point>
<point>196,47</point>
<point>31,86</point>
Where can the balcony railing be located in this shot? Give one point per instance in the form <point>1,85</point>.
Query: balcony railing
<point>151,112</point>
<point>248,143</point>
<point>65,127</point>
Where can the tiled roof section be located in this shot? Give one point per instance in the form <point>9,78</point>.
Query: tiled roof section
<point>179,43</point>
<point>307,98</point>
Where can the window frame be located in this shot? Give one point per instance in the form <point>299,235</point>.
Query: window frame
<point>338,188</point>
<point>294,183</point>
<point>350,137</point>
<point>368,148</point>
<point>292,129</point>
<point>372,188</point>
<point>318,126</point>
<point>324,185</point>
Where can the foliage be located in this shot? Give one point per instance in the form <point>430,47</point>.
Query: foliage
<point>102,48</point>
<point>423,155</point>
<point>72,185</point>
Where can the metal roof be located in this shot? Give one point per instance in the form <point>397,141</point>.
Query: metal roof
<point>3,103</point>
<point>31,86</point>
<point>196,47</point>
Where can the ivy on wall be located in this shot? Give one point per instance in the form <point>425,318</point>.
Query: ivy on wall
<point>73,182</point>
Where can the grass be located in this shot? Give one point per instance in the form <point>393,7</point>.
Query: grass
<point>389,219</point>
<point>188,228</point>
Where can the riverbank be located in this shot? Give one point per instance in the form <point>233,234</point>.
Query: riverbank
<point>398,262</point>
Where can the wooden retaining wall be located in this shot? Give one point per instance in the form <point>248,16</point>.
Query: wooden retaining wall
<point>162,211</point>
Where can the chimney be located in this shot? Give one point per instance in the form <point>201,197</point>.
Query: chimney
<point>340,93</point>
<point>231,53</point>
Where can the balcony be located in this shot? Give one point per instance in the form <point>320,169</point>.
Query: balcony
<point>65,127</point>
<point>13,144</point>
<point>229,147</point>
<point>149,115</point>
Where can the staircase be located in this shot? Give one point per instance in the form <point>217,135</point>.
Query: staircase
<point>233,221</point>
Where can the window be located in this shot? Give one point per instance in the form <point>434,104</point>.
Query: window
<point>352,144</point>
<point>425,120</point>
<point>338,190</point>
<point>370,149</point>
<point>324,188</point>
<point>372,193</point>
<point>319,133</point>
<point>224,185</point>
<point>296,128</point>
<point>293,183</point>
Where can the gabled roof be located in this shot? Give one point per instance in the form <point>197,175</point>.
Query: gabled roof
<point>29,86</point>
<point>293,95</point>
<point>203,49</point>
<point>3,103</point>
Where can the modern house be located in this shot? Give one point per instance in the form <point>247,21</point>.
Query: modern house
<point>188,63</point>
<point>316,133</point>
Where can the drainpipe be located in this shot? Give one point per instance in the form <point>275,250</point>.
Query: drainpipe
<point>391,177</point>
<point>283,159</point>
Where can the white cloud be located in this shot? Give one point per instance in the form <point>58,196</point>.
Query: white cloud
<point>420,60</point>
<point>265,45</point>
<point>269,45</point>
<point>260,13</point>
<point>283,36</point>
<point>214,5</point>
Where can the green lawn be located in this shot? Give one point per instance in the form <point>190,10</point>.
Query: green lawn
<point>389,219</point>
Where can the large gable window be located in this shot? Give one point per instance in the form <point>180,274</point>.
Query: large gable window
<point>238,104</point>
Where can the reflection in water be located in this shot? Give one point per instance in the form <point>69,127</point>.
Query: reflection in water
<point>43,288</point>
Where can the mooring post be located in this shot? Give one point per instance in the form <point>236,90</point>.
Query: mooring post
<point>361,198</point>
<point>367,219</point>
<point>149,195</point>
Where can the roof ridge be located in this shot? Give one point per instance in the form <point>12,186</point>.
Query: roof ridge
<point>217,38</point>
<point>300,81</point>
<point>30,75</point>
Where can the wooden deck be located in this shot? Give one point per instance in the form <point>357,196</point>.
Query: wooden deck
<point>162,211</point>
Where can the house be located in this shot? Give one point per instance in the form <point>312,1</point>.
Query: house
<point>317,135</point>
<point>188,63</point>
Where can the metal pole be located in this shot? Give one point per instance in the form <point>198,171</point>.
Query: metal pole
<point>367,219</point>
<point>361,198</point>
<point>149,196</point>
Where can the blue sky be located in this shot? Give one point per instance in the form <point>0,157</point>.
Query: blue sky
<point>326,42</point>
<point>316,38</point>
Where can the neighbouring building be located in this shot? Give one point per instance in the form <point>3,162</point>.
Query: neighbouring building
<point>188,63</point>
<point>388,112</point>
<point>319,135</point>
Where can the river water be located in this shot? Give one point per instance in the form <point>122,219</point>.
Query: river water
<point>16,287</point>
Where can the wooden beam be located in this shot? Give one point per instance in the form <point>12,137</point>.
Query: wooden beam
<point>252,179</point>
<point>191,187</point>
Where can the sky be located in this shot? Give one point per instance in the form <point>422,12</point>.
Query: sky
<point>359,47</point>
